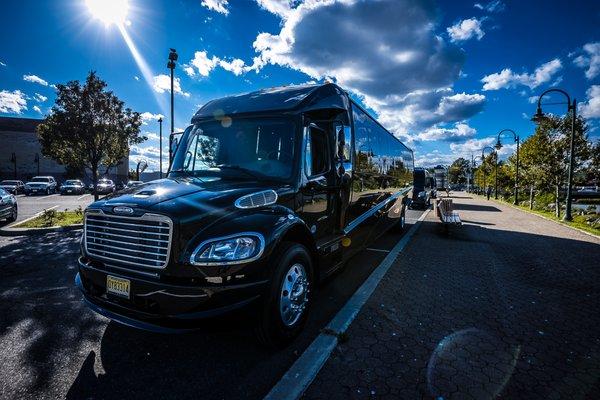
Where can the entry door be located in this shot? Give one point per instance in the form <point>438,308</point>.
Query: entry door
<point>317,183</point>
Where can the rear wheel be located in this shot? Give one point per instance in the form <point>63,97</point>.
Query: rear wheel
<point>286,304</point>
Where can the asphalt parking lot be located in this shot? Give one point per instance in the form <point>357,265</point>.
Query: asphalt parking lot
<point>31,205</point>
<point>52,346</point>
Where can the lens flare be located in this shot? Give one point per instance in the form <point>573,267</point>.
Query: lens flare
<point>109,11</point>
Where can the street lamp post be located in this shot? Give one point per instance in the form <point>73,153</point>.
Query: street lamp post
<point>499,146</point>
<point>171,65</point>
<point>160,146</point>
<point>483,165</point>
<point>36,160</point>
<point>540,116</point>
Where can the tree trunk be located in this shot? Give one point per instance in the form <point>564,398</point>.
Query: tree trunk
<point>95,182</point>
<point>556,202</point>
<point>531,197</point>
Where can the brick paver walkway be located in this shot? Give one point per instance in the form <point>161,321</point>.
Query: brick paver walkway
<point>506,306</point>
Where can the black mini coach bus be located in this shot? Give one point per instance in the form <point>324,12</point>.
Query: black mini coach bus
<point>269,192</point>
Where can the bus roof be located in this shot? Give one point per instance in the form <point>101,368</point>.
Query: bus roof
<point>280,99</point>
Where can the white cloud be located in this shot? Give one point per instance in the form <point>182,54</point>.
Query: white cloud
<point>460,132</point>
<point>465,30</point>
<point>386,52</point>
<point>151,135</point>
<point>235,66</point>
<point>40,98</point>
<point>493,6</point>
<point>219,6</point>
<point>472,146</point>
<point>35,79</point>
<point>149,117</point>
<point>591,108</point>
<point>3,64</point>
<point>137,78</point>
<point>434,158</point>
<point>12,102</point>
<point>38,109</point>
<point>203,65</point>
<point>508,79</point>
<point>590,60</point>
<point>421,110</point>
<point>282,8</point>
<point>162,84</point>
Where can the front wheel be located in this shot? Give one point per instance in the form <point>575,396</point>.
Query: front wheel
<point>13,215</point>
<point>285,306</point>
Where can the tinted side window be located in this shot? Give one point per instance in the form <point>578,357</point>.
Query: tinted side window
<point>316,159</point>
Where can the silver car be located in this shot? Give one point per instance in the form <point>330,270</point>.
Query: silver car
<point>8,206</point>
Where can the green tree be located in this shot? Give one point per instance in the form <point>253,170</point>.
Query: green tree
<point>458,171</point>
<point>544,156</point>
<point>89,127</point>
<point>592,172</point>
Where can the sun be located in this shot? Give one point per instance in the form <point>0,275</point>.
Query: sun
<point>109,11</point>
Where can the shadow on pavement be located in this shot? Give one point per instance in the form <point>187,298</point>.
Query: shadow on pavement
<point>475,207</point>
<point>491,312</point>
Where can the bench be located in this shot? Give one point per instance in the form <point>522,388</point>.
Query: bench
<point>445,212</point>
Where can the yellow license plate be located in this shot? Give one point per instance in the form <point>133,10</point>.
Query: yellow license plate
<point>117,286</point>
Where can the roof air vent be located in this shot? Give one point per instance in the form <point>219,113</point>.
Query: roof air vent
<point>258,199</point>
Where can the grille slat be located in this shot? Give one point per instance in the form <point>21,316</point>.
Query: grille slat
<point>142,241</point>
<point>129,230</point>
<point>128,237</point>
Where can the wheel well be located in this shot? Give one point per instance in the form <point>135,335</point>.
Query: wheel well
<point>299,234</point>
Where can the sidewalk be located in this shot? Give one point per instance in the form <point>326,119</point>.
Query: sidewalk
<point>508,304</point>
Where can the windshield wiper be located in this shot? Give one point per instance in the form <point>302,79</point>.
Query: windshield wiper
<point>241,169</point>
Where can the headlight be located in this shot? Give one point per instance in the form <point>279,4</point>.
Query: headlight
<point>235,249</point>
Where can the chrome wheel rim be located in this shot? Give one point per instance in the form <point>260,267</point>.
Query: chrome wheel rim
<point>293,297</point>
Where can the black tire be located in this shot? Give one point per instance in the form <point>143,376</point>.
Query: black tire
<point>271,330</point>
<point>47,192</point>
<point>14,215</point>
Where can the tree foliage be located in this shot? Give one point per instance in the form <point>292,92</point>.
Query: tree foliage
<point>459,170</point>
<point>89,127</point>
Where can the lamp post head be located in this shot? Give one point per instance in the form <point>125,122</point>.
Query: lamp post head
<point>160,120</point>
<point>173,56</point>
<point>539,115</point>
<point>498,145</point>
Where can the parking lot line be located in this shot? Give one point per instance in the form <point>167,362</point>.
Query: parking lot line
<point>50,195</point>
<point>82,196</point>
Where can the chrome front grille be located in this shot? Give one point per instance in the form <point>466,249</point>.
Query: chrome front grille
<point>136,241</point>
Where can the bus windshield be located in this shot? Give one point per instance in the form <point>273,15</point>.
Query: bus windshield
<point>251,148</point>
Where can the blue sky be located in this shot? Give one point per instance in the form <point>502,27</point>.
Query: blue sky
<point>445,77</point>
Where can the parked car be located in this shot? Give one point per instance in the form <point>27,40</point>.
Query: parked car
<point>8,206</point>
<point>105,186</point>
<point>41,185</point>
<point>72,186</point>
<point>13,187</point>
<point>253,214</point>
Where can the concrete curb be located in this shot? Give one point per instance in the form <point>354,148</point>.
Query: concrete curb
<point>38,231</point>
<point>298,378</point>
